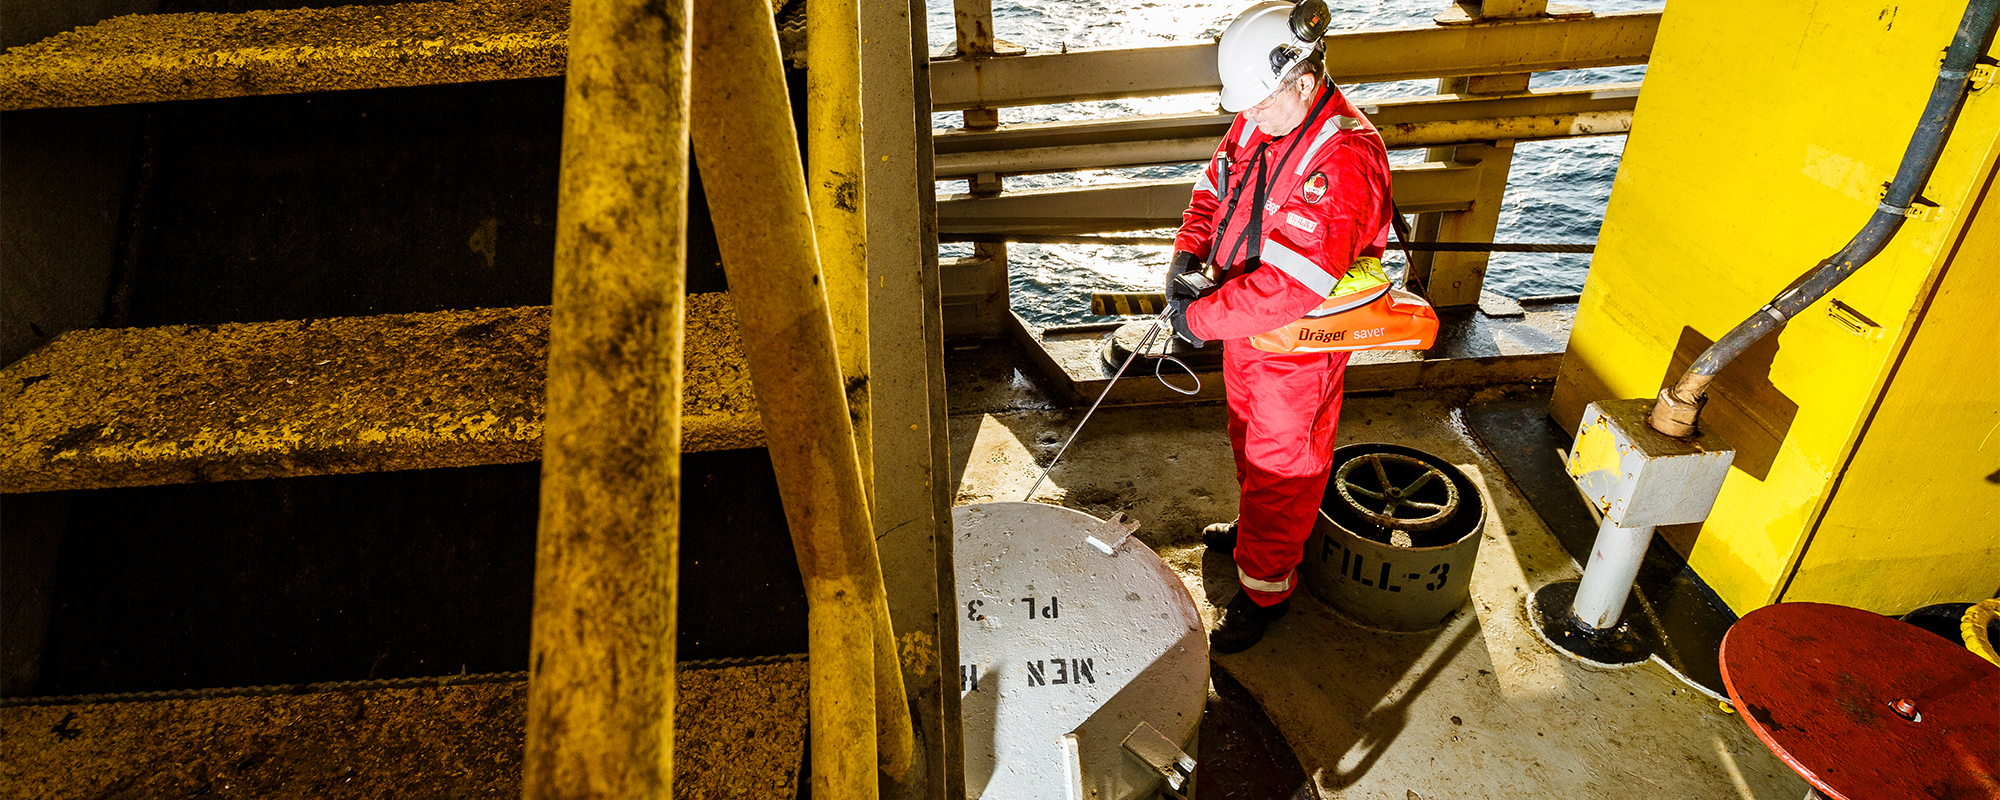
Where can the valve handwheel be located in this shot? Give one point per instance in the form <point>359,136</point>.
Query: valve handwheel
<point>1387,491</point>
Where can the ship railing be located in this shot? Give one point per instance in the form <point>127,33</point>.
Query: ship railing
<point>1482,107</point>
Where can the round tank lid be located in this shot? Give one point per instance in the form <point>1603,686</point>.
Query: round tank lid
<point>1065,650</point>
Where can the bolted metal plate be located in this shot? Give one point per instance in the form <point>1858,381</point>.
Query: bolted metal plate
<point>1064,650</point>
<point>1820,684</point>
<point>1639,477</point>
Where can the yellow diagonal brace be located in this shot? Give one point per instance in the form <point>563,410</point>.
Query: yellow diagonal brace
<point>748,152</point>
<point>833,147</point>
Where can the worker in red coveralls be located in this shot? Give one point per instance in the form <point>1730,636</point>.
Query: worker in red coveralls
<point>1298,190</point>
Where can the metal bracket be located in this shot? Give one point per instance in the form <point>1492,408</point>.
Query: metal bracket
<point>1920,208</point>
<point>1175,766</point>
<point>1983,76</point>
<point>1111,534</point>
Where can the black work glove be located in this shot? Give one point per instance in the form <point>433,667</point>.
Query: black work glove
<point>1183,262</point>
<point>1177,315</point>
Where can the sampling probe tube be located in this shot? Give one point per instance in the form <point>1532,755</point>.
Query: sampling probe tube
<point>1678,410</point>
<point>1146,341</point>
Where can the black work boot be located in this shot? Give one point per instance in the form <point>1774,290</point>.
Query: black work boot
<point>1243,623</point>
<point>1220,536</point>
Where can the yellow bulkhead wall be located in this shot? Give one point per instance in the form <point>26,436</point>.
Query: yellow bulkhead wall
<point>1868,429</point>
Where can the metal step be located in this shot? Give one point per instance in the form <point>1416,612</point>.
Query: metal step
<point>104,408</point>
<point>149,58</point>
<point>739,732</point>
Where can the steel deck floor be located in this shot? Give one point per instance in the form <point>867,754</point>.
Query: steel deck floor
<point>1477,709</point>
<point>739,732</point>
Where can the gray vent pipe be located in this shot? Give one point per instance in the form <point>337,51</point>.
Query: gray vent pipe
<point>1679,408</point>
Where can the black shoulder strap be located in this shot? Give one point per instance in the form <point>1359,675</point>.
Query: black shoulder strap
<point>1254,236</point>
<point>1218,254</point>
<point>1403,237</point>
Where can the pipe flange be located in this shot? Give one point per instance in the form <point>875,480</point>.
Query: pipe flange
<point>1676,417</point>
<point>1552,617</point>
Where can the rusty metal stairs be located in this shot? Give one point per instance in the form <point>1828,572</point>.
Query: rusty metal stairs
<point>107,408</point>
<point>319,394</point>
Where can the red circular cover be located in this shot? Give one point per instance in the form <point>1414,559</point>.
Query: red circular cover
<point>1818,683</point>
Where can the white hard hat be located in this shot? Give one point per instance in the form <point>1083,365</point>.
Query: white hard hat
<point>1262,44</point>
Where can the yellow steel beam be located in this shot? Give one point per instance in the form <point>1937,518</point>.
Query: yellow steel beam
<point>1170,138</point>
<point>748,151</point>
<point>145,58</point>
<point>1512,8</point>
<point>906,389</point>
<point>601,686</point>
<point>1028,161</point>
<point>1141,205</point>
<point>836,188</point>
<point>974,22</point>
<point>1358,57</point>
<point>833,141</point>
<point>1118,130</point>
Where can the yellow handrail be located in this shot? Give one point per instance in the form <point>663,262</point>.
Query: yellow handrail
<point>601,676</point>
<point>834,185</point>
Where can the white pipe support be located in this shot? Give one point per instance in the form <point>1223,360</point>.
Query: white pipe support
<point>1608,578</point>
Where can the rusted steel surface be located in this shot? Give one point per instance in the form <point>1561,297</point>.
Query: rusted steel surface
<point>607,544</point>
<point>739,732</point>
<point>1864,706</point>
<point>150,58</point>
<point>143,58</point>
<point>104,408</point>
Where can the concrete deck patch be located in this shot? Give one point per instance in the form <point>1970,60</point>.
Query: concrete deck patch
<point>103,408</point>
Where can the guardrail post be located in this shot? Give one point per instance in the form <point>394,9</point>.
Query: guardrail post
<point>601,676</point>
<point>1455,279</point>
<point>836,188</point>
<point>906,378</point>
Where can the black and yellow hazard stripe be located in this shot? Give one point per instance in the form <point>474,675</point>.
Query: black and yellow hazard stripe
<point>1127,303</point>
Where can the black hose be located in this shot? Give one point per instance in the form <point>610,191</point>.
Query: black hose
<point>1675,414</point>
<point>1933,128</point>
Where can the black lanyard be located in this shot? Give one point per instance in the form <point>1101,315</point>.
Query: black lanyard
<point>1253,260</point>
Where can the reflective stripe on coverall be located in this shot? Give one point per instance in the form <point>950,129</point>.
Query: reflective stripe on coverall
<point>1328,204</point>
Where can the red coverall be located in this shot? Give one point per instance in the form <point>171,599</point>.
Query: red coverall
<point>1325,206</point>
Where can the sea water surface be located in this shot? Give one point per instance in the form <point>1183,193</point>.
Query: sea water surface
<point>1555,194</point>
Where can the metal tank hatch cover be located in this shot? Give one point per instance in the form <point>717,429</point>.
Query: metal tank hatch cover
<point>1081,665</point>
